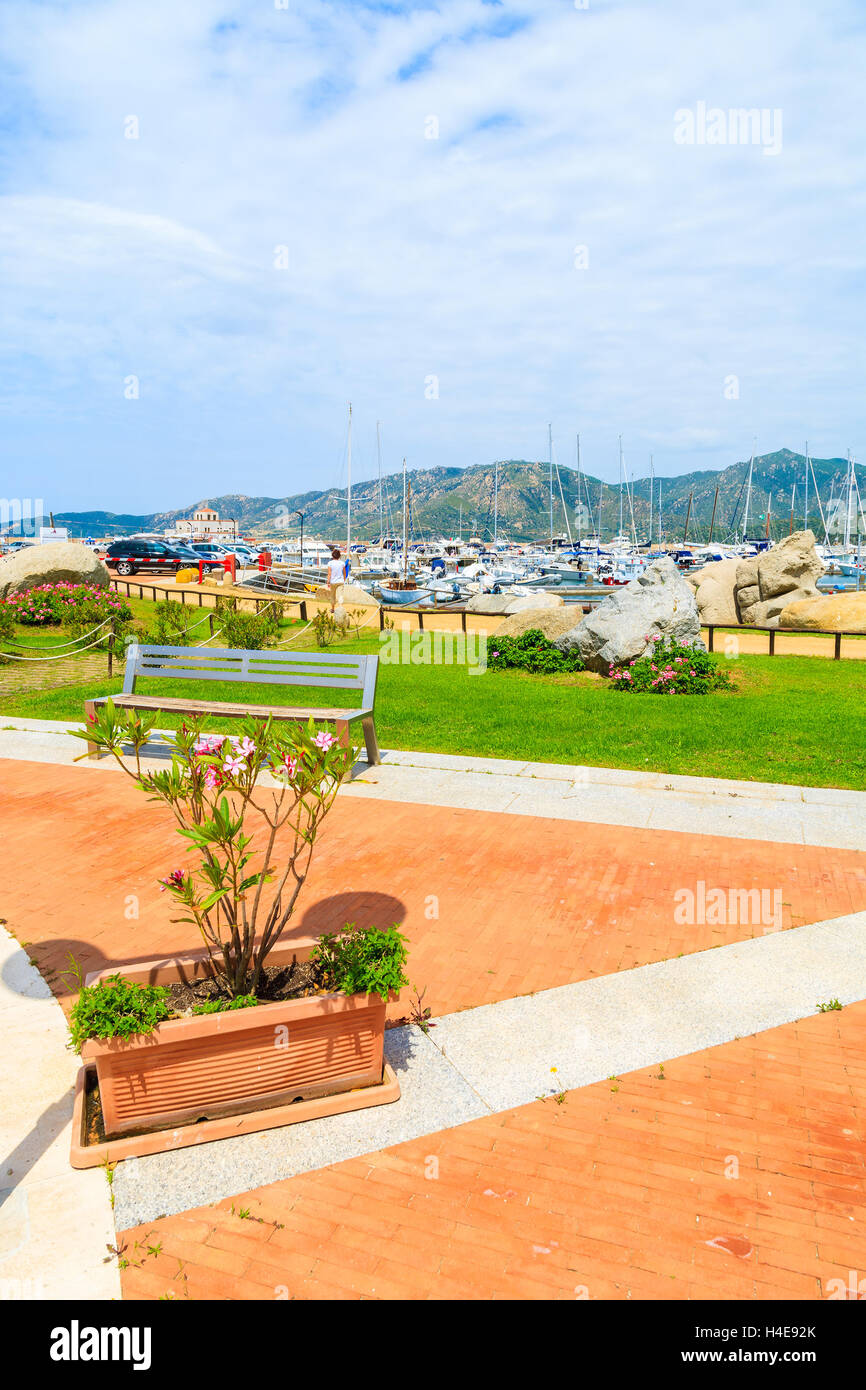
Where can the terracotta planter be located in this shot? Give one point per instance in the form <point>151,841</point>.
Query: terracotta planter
<point>211,1065</point>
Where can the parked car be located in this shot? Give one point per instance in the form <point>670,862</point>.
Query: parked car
<point>132,556</point>
<point>206,551</point>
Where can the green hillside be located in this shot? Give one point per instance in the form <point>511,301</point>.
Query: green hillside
<point>439,497</point>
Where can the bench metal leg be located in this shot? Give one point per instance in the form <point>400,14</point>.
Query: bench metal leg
<point>90,713</point>
<point>370,740</point>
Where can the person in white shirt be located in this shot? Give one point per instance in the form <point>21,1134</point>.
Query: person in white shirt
<point>336,577</point>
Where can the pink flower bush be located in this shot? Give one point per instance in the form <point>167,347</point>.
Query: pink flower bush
<point>242,893</point>
<point>670,669</point>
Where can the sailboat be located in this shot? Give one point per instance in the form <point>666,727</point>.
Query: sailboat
<point>403,589</point>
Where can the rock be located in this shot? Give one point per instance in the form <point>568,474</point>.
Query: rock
<point>354,594</point>
<point>830,613</point>
<point>659,603</point>
<point>341,617</point>
<point>553,622</point>
<point>511,602</point>
<point>57,562</point>
<point>792,563</point>
<point>521,603</point>
<point>768,614</point>
<point>489,603</point>
<point>714,591</point>
<point>767,583</point>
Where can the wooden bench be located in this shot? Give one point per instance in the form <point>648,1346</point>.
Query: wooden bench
<point>317,669</point>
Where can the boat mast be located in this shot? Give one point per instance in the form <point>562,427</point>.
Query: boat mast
<point>793,495</point>
<point>847,533</point>
<point>806,503</point>
<point>688,514</point>
<point>550,457</point>
<point>579,499</point>
<point>713,517</point>
<point>630,490</point>
<point>820,504</point>
<point>651,503</point>
<point>748,496</point>
<point>861,521</point>
<point>496,501</point>
<point>405,520</point>
<point>620,489</point>
<point>379,460</point>
<point>349,470</point>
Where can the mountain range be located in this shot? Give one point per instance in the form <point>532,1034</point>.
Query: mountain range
<point>517,492</point>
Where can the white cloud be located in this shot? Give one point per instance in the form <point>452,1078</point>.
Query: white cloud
<point>410,257</point>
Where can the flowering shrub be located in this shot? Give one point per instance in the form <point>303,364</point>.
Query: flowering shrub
<point>531,651</point>
<point>79,607</point>
<point>247,631</point>
<point>116,1008</point>
<point>672,669</point>
<point>364,960</point>
<point>243,887</point>
<point>170,623</point>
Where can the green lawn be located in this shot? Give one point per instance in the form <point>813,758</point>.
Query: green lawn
<point>790,719</point>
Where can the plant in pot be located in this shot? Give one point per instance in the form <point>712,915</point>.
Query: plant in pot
<point>254,1019</point>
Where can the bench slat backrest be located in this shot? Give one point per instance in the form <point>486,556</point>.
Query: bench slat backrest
<point>318,669</point>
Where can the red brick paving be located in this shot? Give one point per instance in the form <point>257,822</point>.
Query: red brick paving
<point>625,1190</point>
<point>524,903</point>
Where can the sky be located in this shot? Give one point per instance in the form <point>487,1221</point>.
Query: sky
<point>220,223</point>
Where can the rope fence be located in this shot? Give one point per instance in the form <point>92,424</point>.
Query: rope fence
<point>56,647</point>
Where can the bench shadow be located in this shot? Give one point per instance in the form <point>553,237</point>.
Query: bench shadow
<point>362,909</point>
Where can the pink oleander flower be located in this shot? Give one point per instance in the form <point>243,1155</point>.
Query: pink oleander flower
<point>246,747</point>
<point>235,765</point>
<point>289,768</point>
<point>175,880</point>
<point>212,779</point>
<point>324,740</point>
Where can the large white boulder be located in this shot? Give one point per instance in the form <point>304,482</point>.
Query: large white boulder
<point>550,622</point>
<point>659,603</point>
<point>831,613</point>
<point>511,602</point>
<point>57,562</point>
<point>786,573</point>
<point>714,592</point>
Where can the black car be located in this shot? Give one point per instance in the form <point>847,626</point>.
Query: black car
<point>128,557</point>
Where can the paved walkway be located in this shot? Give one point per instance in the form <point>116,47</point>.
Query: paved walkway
<point>494,905</point>
<point>55,1223</point>
<point>733,1173</point>
<point>507,1054</point>
<point>538,934</point>
<point>598,795</point>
